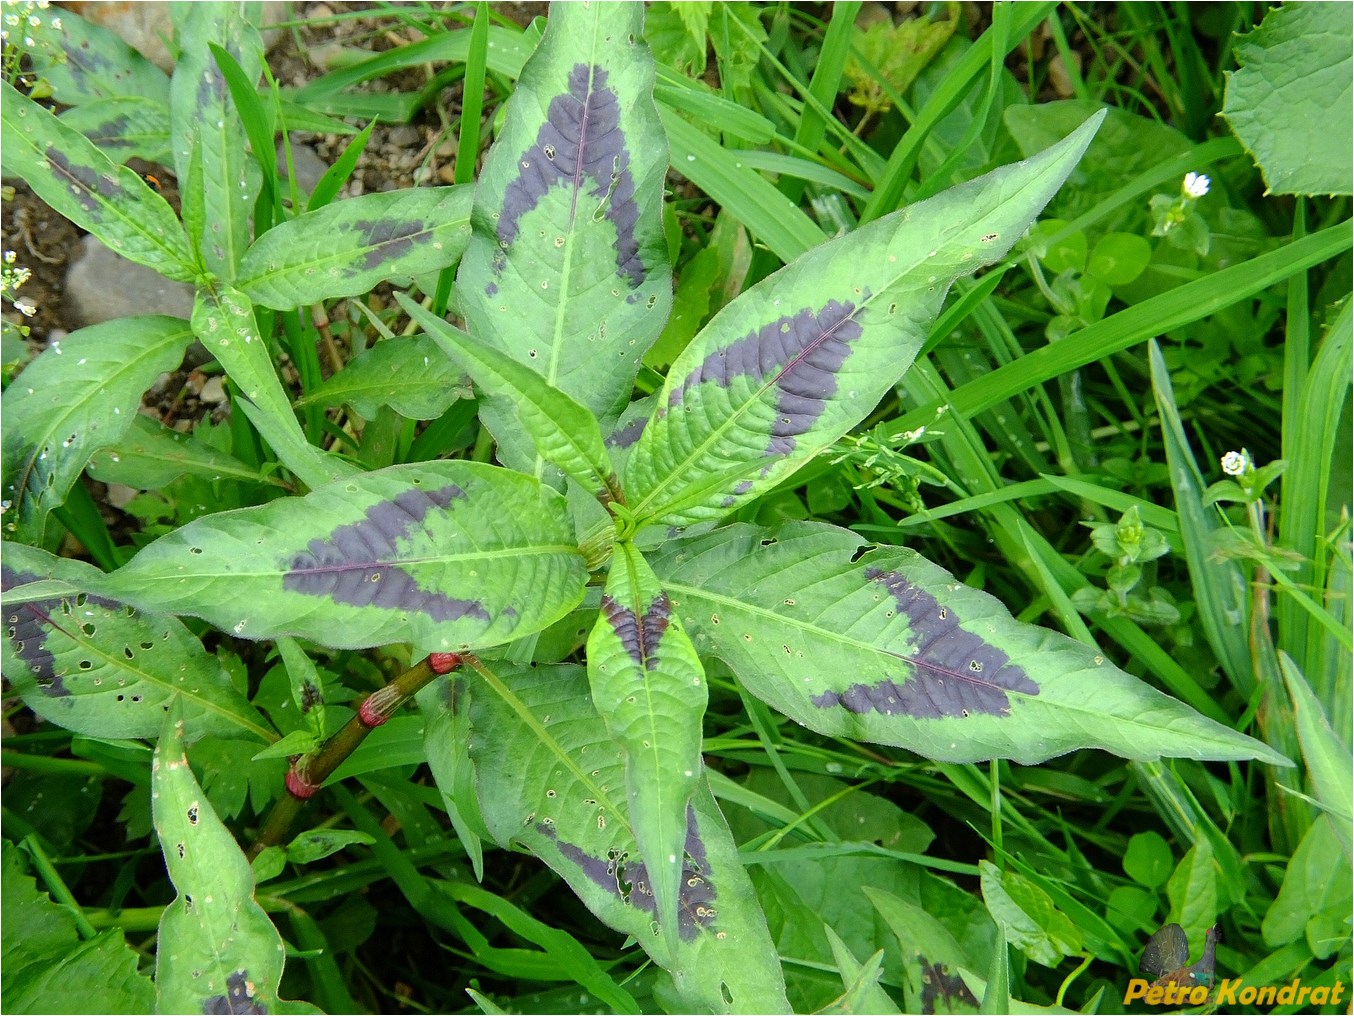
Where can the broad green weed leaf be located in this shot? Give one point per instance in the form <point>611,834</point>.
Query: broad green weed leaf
<point>205,125</point>
<point>447,555</point>
<point>550,779</point>
<point>1289,103</point>
<point>1028,917</point>
<point>567,267</point>
<point>152,456</point>
<point>348,247</point>
<point>803,356</point>
<point>71,174</point>
<point>47,968</point>
<point>307,689</point>
<point>124,127</point>
<point>563,432</point>
<point>1316,886</point>
<point>217,951</point>
<point>649,687</point>
<point>224,320</point>
<point>85,62</point>
<point>77,397</point>
<point>93,666</point>
<point>410,374</point>
<point>1328,762</point>
<point>888,647</point>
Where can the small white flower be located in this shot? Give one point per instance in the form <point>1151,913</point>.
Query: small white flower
<point>912,435</point>
<point>1236,463</point>
<point>25,308</point>
<point>1195,185</point>
<point>10,257</point>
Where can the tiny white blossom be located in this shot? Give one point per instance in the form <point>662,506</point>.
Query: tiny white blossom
<point>1236,463</point>
<point>25,308</point>
<point>1195,185</point>
<point>10,257</point>
<point>912,435</point>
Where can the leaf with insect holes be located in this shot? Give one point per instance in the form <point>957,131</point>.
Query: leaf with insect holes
<point>550,779</point>
<point>205,125</point>
<point>71,174</point>
<point>97,667</point>
<point>890,648</point>
<point>77,397</point>
<point>217,951</point>
<point>446,555</point>
<point>223,319</point>
<point>563,432</point>
<point>349,247</point>
<point>803,356</point>
<point>649,687</point>
<point>567,268</point>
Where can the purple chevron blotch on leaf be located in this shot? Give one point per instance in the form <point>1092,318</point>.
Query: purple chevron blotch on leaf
<point>639,635</point>
<point>629,881</point>
<point>581,142</point>
<point>27,625</point>
<point>954,672</point>
<point>358,564</point>
<point>799,354</point>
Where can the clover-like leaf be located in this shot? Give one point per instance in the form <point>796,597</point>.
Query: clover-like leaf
<point>447,555</point>
<point>567,266</point>
<point>800,358</point>
<point>94,666</point>
<point>217,951</point>
<point>77,397</point>
<point>891,648</point>
<point>549,778</point>
<point>649,686</point>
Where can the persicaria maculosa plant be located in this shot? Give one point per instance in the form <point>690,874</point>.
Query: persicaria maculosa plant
<point>606,512</point>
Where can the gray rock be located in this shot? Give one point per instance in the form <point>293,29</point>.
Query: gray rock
<point>309,166</point>
<point>404,136</point>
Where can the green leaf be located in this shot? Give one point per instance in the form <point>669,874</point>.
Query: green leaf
<point>447,555</point>
<point>93,666</point>
<point>1289,103</point>
<point>1193,892</point>
<point>151,456</point>
<point>888,647</point>
<point>446,739</point>
<point>800,358</point>
<point>408,373</point>
<point>550,779</point>
<point>71,174</point>
<point>205,125</point>
<point>223,319</point>
<point>1148,860</point>
<point>217,951</point>
<point>1316,884</point>
<point>317,844</point>
<point>649,687</point>
<point>1119,258</point>
<point>932,956</point>
<point>124,127</point>
<point>562,431</point>
<point>567,268</point>
<point>307,689</point>
<point>348,247</point>
<point>47,968</point>
<point>88,62</point>
<point>77,397</point>
<point>861,981</point>
<point>1028,917</point>
<point>1329,766</point>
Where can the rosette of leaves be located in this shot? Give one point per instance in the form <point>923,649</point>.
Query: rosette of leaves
<point>596,768</point>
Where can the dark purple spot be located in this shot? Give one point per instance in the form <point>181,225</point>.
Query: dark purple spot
<point>580,142</point>
<point>27,626</point>
<point>238,1000</point>
<point>358,563</point>
<point>85,181</point>
<point>953,671</point>
<point>627,435</point>
<point>388,238</point>
<point>311,696</point>
<point>629,881</point>
<point>798,355</point>
<point>111,134</point>
<point>949,989</point>
<point>640,636</point>
<point>491,289</point>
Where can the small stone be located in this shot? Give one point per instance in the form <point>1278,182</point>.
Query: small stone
<point>404,136</point>
<point>447,173</point>
<point>102,285</point>
<point>213,391</point>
